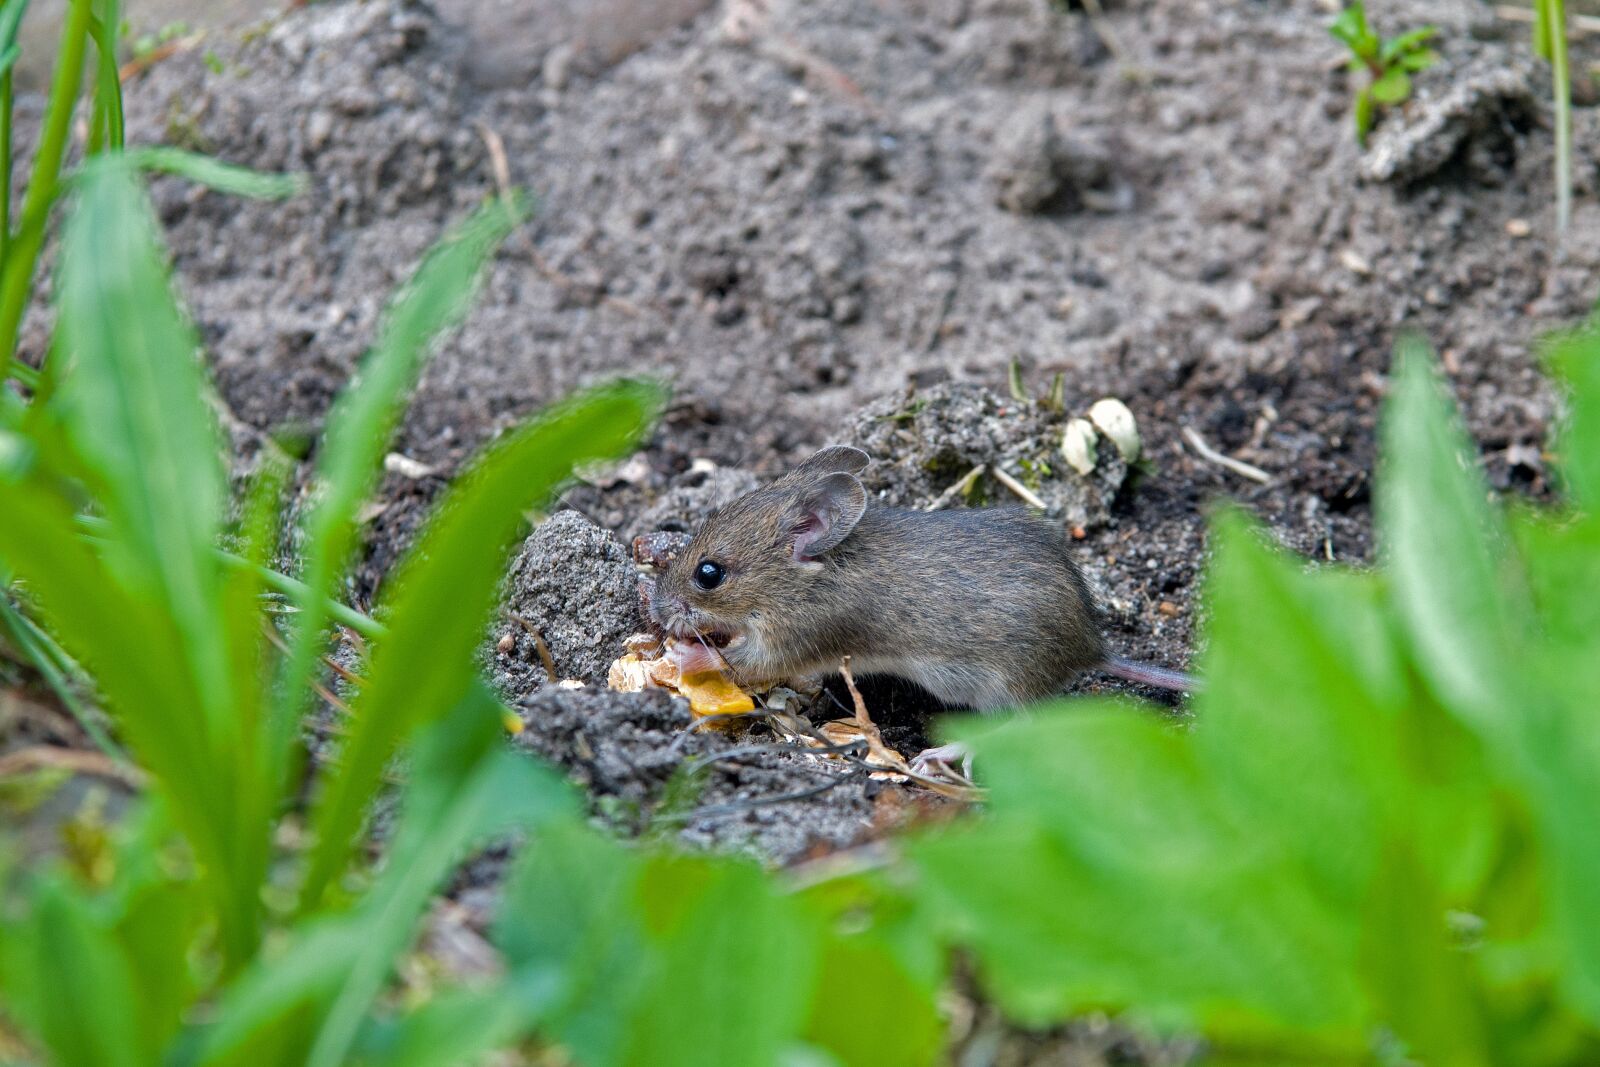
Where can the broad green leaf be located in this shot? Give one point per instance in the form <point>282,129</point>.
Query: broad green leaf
<point>1111,873</point>
<point>721,933</point>
<point>662,959</point>
<point>215,174</point>
<point>364,418</point>
<point>1454,586</point>
<point>1460,595</point>
<point>1556,754</point>
<point>444,591</point>
<point>457,1027</point>
<point>1406,43</point>
<point>568,929</point>
<point>1350,26</point>
<point>1311,721</point>
<point>1304,687</point>
<point>869,1011</point>
<point>1392,87</point>
<point>1419,60</point>
<point>134,409</point>
<point>1425,986</point>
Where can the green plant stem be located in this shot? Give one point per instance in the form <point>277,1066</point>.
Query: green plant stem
<point>365,625</point>
<point>10,20</point>
<point>16,281</point>
<point>1556,12</point>
<point>48,659</point>
<point>6,111</point>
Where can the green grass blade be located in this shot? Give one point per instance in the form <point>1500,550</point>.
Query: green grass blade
<point>444,591</point>
<point>35,644</point>
<point>16,274</point>
<point>87,992</point>
<point>364,419</point>
<point>255,769</point>
<point>106,125</point>
<point>1561,77</point>
<point>215,174</point>
<point>465,788</point>
<point>134,407</point>
<point>131,645</point>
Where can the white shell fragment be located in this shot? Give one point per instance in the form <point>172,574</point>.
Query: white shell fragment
<point>1078,445</point>
<point>1116,422</point>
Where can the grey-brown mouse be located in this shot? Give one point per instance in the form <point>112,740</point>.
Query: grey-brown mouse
<point>982,608</point>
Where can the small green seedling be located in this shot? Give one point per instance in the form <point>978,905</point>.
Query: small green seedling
<point>1388,62</point>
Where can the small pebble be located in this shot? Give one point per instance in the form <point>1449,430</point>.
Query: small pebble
<point>1355,262</point>
<point>1518,227</point>
<point>506,643</point>
<point>1168,608</point>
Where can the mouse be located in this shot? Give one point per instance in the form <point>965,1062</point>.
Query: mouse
<point>984,608</point>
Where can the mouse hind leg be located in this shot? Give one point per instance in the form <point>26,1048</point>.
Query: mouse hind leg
<point>965,685</point>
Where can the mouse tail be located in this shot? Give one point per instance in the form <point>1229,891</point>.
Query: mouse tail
<point>1145,674</point>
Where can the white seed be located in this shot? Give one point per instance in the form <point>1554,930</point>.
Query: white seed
<point>1078,445</point>
<point>406,467</point>
<point>1116,422</point>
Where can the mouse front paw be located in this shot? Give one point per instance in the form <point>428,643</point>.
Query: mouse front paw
<point>931,761</point>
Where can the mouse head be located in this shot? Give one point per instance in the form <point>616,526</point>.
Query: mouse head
<point>762,551</point>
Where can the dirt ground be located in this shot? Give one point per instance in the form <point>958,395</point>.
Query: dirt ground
<point>832,220</point>
<point>822,221</point>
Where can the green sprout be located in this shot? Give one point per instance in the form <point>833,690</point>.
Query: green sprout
<point>1388,62</point>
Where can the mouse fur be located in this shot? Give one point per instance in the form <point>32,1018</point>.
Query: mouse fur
<point>983,608</point>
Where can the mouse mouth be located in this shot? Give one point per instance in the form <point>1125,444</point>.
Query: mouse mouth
<point>711,637</point>
<point>720,638</point>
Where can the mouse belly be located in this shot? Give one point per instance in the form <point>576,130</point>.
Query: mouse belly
<point>965,684</point>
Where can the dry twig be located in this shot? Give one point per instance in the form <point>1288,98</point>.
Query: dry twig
<point>958,488</point>
<point>1211,455</point>
<point>538,643</point>
<point>72,760</point>
<point>1026,495</point>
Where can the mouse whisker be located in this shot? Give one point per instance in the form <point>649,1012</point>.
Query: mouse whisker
<point>717,652</point>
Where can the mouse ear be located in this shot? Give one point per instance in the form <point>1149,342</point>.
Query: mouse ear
<point>835,459</point>
<point>826,513</point>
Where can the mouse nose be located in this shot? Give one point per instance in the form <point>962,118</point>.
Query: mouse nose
<point>665,608</point>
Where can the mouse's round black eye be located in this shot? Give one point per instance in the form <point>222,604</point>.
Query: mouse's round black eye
<point>709,574</point>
